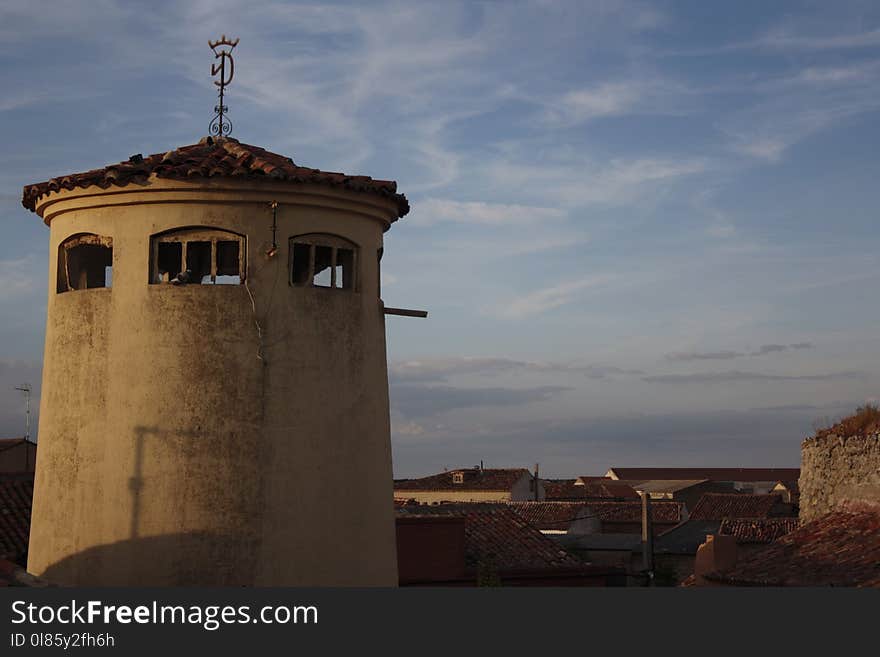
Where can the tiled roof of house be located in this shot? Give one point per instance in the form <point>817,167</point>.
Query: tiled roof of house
<point>558,515</point>
<point>551,515</point>
<point>661,511</point>
<point>9,443</point>
<point>757,530</point>
<point>685,537</point>
<point>212,157</point>
<point>16,495</point>
<point>495,534</point>
<point>841,548</point>
<point>718,506</point>
<point>484,479</point>
<point>559,489</point>
<point>714,474</point>
<point>667,485</point>
<point>598,487</point>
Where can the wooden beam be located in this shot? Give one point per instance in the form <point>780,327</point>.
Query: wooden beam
<point>405,312</point>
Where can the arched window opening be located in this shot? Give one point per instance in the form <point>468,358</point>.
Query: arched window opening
<point>85,261</point>
<point>201,256</point>
<point>318,260</point>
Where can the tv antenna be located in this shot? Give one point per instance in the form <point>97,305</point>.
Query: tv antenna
<point>26,389</point>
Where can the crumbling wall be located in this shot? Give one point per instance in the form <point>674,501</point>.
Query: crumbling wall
<point>836,469</point>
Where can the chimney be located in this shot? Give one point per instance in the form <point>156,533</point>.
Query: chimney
<point>717,555</point>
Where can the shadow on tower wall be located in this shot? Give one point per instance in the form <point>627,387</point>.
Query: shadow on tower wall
<point>197,559</point>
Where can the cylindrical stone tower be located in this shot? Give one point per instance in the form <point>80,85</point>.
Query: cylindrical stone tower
<point>215,399</point>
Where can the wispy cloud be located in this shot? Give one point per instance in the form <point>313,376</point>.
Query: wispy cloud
<point>763,350</point>
<point>785,38</point>
<point>735,376</point>
<point>607,99</point>
<point>551,297</point>
<point>17,278</point>
<point>578,181</point>
<point>427,400</point>
<point>435,210</point>
<point>441,369</point>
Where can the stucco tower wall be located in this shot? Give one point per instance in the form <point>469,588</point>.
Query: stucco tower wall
<point>170,454</point>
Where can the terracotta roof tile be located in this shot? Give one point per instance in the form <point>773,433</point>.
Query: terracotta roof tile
<point>212,157</point>
<point>841,548</point>
<point>486,479</point>
<point>600,487</point>
<point>757,530</point>
<point>718,506</point>
<point>16,495</point>
<point>661,511</point>
<point>494,533</point>
<point>557,515</point>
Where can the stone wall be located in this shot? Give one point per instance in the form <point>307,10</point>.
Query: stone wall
<point>836,469</point>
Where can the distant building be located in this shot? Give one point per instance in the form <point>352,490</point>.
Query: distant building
<point>472,485</point>
<point>488,545</point>
<point>598,517</point>
<point>721,506</point>
<point>789,491</point>
<point>676,549</point>
<point>686,491</point>
<point>842,548</point>
<point>838,540</point>
<point>17,455</point>
<point>587,488</point>
<point>746,480</point>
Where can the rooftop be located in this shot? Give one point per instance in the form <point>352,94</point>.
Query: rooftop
<point>757,530</point>
<point>667,485</point>
<point>494,533</point>
<point>16,495</point>
<point>594,487</point>
<point>557,515</point>
<point>212,157</point>
<point>714,474</point>
<point>841,548</point>
<point>484,479</point>
<point>718,506</point>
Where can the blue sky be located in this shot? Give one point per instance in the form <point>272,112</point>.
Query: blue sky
<point>645,232</point>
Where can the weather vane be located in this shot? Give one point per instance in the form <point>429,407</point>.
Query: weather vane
<point>220,125</point>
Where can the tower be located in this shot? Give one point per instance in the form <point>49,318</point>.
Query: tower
<point>215,397</point>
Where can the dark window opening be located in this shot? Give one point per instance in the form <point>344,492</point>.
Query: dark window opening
<point>227,263</point>
<point>322,273</point>
<point>345,269</point>
<point>84,262</point>
<point>170,257</point>
<point>198,262</point>
<point>323,261</point>
<point>301,268</point>
<point>197,255</point>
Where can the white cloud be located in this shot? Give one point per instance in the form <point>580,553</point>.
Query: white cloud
<point>406,428</point>
<point>785,39</point>
<point>551,297</point>
<point>441,369</point>
<point>17,278</point>
<point>435,210</point>
<point>607,99</point>
<point>580,181</point>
